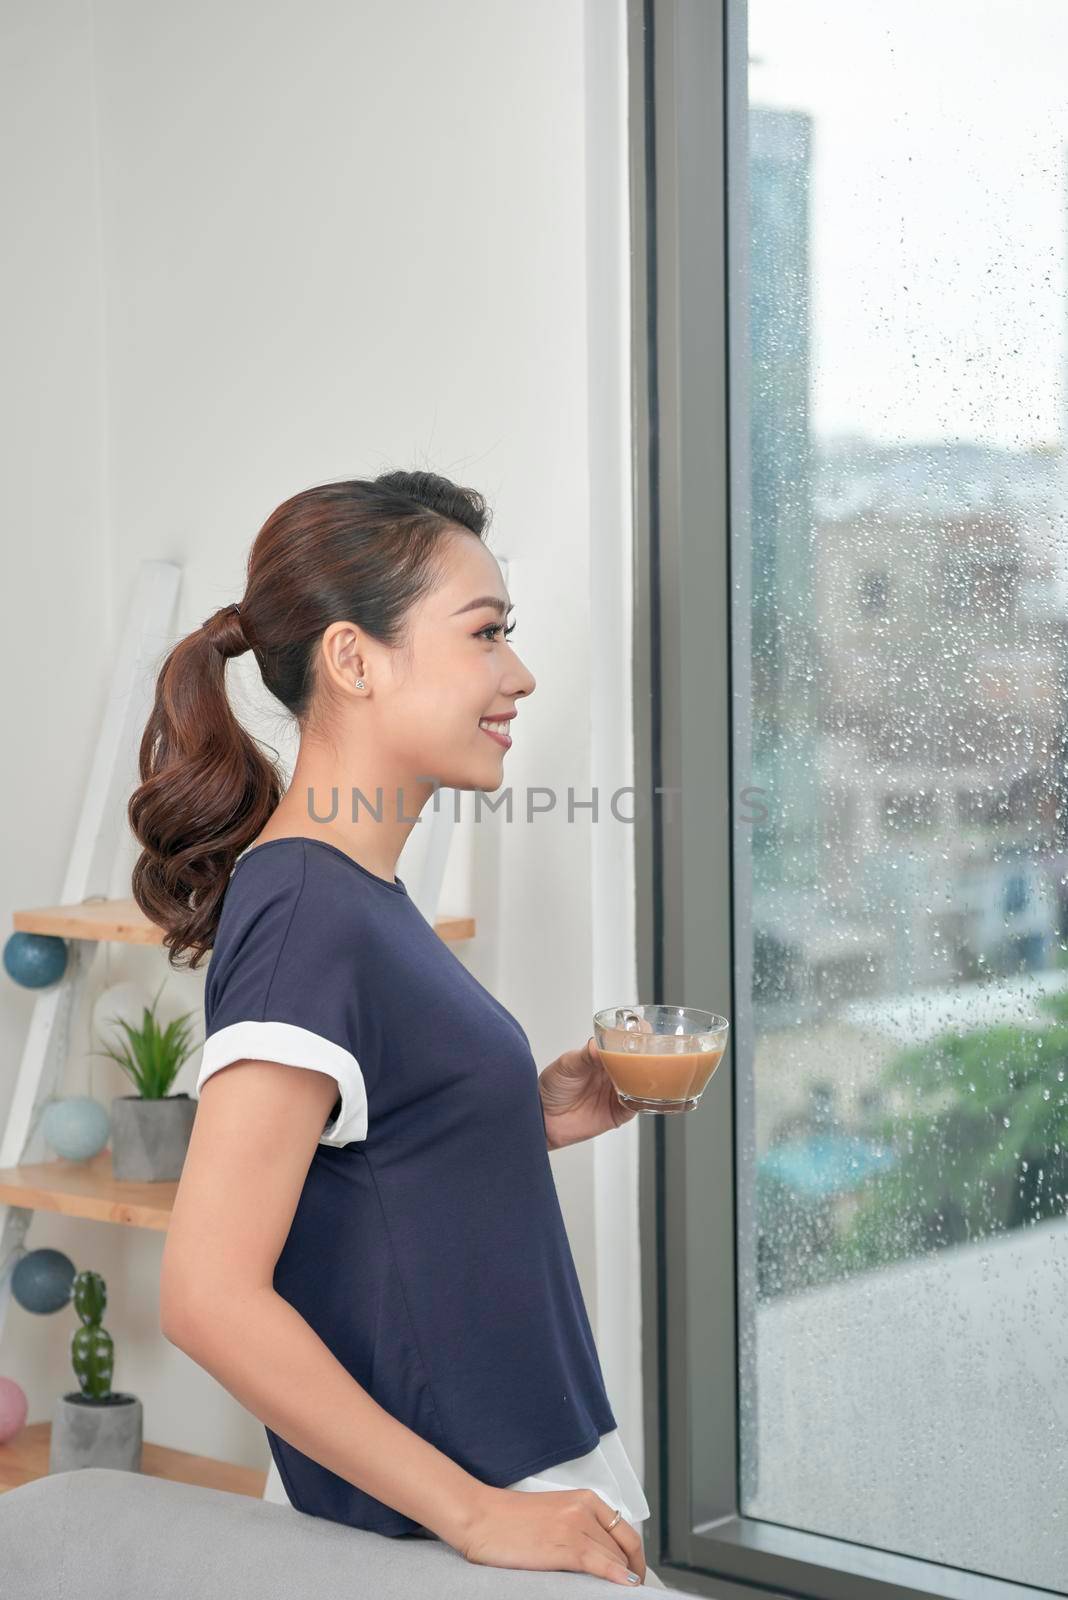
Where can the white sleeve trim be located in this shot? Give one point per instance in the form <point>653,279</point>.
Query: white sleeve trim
<point>294,1047</point>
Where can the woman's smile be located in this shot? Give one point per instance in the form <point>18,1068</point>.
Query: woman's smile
<point>497,729</point>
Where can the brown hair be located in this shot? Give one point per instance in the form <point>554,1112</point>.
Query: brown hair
<point>362,551</point>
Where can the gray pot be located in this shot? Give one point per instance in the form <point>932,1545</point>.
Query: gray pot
<point>96,1433</point>
<point>149,1138</point>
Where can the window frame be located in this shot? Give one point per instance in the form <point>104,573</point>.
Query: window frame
<point>687,101</point>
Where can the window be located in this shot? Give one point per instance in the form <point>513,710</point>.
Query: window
<point>981,587</point>
<point>874,592</point>
<point>904,812</point>
<point>850,294</point>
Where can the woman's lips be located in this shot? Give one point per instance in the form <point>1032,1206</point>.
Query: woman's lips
<point>501,738</point>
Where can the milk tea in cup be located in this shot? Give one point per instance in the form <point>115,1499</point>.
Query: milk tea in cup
<point>660,1058</point>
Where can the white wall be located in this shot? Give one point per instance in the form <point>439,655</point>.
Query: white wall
<point>56,597</point>
<point>263,246</point>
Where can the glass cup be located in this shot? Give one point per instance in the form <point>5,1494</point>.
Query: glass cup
<point>660,1057</point>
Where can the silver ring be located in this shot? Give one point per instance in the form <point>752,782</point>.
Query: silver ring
<point>617,1518</point>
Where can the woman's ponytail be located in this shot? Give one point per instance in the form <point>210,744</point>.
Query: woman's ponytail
<point>206,790</point>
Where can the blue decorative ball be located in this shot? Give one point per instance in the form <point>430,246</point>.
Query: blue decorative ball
<point>77,1127</point>
<point>41,1281</point>
<point>35,960</point>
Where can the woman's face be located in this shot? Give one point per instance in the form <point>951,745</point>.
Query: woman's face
<point>425,705</point>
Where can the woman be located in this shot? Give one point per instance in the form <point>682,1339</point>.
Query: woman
<point>369,1253</point>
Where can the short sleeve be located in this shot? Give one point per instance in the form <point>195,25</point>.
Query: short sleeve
<point>280,987</point>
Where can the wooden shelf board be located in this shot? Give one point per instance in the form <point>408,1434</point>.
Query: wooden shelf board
<point>87,1189</point>
<point>26,1457</point>
<point>119,920</point>
<point>123,922</point>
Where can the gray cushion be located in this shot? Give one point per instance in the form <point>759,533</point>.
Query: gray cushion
<point>101,1534</point>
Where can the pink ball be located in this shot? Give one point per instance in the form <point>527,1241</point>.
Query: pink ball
<point>14,1408</point>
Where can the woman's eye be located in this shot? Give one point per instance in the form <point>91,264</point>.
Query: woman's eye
<point>495,627</point>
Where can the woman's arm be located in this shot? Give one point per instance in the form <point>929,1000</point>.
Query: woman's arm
<point>266,1355</point>
<point>254,1135</point>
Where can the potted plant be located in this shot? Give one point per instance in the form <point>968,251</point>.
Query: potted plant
<point>150,1129</point>
<point>94,1426</point>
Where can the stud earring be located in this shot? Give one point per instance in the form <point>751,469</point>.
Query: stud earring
<point>359,683</point>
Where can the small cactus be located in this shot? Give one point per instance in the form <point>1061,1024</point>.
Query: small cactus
<point>91,1346</point>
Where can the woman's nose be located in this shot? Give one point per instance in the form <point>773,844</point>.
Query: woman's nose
<point>526,682</point>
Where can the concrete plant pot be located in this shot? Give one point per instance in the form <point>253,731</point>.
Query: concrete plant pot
<point>149,1138</point>
<point>96,1433</point>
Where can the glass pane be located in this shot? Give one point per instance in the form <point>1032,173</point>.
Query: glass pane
<point>905,1339</point>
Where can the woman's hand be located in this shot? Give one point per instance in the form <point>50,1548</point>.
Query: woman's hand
<point>579,1099</point>
<point>554,1530</point>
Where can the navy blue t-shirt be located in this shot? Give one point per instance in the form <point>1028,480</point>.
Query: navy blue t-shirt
<point>428,1249</point>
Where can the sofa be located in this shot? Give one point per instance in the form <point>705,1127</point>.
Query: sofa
<point>97,1533</point>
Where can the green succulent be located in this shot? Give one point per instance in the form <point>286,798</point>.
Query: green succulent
<point>91,1346</point>
<point>152,1056</point>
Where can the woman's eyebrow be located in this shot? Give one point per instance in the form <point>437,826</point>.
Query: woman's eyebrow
<point>489,600</point>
